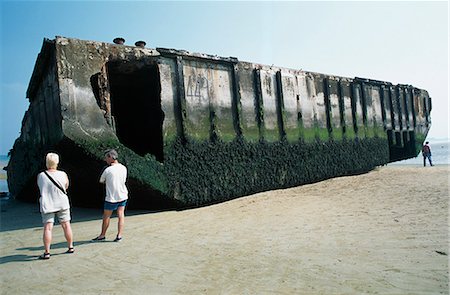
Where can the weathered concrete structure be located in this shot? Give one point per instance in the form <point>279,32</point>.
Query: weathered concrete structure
<point>195,129</point>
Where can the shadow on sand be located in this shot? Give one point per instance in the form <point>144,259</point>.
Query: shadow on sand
<point>57,249</point>
<point>17,215</point>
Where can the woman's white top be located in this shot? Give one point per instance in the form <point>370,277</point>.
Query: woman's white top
<point>52,199</point>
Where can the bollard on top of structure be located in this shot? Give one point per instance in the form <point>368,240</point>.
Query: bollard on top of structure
<point>140,44</point>
<point>119,40</point>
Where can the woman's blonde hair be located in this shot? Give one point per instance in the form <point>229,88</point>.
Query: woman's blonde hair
<point>52,160</point>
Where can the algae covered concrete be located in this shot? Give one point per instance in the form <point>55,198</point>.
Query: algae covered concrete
<point>195,129</point>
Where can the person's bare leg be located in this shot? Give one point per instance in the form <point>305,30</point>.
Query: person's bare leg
<point>67,233</point>
<point>121,223</point>
<point>105,223</point>
<point>47,237</point>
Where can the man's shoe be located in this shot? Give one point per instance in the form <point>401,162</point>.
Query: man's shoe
<point>98,239</point>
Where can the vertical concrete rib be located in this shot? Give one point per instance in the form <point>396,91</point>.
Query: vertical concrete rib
<point>411,96</point>
<point>383,107</point>
<point>364,103</point>
<point>353,97</point>
<point>341,108</point>
<point>391,101</point>
<point>427,110</point>
<point>180,103</point>
<point>280,105</point>
<point>406,104</point>
<point>399,106</point>
<point>326,94</point>
<point>236,101</point>
<point>259,103</point>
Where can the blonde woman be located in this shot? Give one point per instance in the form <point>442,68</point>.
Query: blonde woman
<point>53,200</point>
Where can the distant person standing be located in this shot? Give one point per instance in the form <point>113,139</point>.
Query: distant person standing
<point>426,153</point>
<point>53,200</point>
<point>114,177</point>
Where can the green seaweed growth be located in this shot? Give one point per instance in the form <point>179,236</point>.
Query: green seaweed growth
<point>146,170</point>
<point>204,172</point>
<point>26,160</point>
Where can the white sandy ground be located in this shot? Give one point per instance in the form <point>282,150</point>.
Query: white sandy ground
<point>384,232</point>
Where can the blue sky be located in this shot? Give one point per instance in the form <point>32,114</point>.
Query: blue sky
<point>400,42</point>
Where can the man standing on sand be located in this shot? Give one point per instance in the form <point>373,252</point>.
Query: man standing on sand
<point>426,153</point>
<point>114,176</point>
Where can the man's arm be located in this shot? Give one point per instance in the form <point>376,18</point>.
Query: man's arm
<point>103,177</point>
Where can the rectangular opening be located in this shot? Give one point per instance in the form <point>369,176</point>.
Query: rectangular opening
<point>135,92</point>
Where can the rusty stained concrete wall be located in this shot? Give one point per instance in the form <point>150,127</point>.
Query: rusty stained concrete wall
<point>420,107</point>
<point>208,96</point>
<point>77,62</point>
<point>206,87</point>
<point>303,102</point>
<point>41,127</point>
<point>291,101</point>
<point>169,94</point>
<point>249,115</point>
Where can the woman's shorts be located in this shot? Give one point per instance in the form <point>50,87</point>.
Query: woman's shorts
<point>63,215</point>
<point>114,206</point>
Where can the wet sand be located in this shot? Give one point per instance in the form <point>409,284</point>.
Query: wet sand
<point>383,232</point>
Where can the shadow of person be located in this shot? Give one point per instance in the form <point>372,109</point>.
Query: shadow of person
<point>24,258</point>
<point>54,252</point>
<point>18,258</point>
<point>60,245</point>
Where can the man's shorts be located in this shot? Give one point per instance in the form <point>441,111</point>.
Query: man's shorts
<point>63,215</point>
<point>114,206</point>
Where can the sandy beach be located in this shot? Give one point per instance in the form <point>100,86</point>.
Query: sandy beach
<point>384,232</point>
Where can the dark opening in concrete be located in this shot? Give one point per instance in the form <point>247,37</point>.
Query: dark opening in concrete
<point>136,106</point>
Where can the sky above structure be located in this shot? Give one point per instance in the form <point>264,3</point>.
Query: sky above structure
<point>399,42</point>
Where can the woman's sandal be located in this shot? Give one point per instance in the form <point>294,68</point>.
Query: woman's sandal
<point>45,256</point>
<point>71,250</point>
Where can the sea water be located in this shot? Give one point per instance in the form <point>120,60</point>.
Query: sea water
<point>439,155</point>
